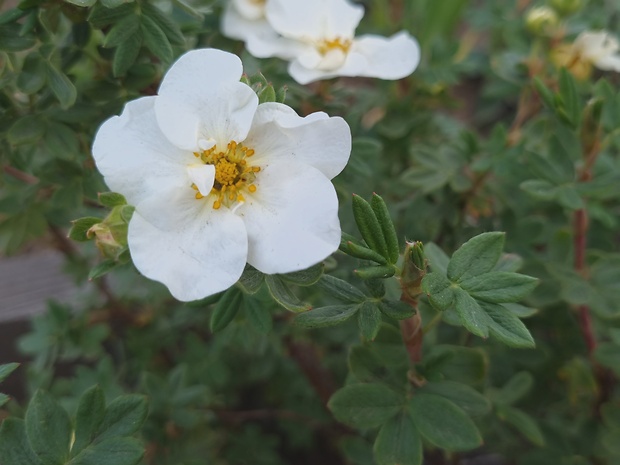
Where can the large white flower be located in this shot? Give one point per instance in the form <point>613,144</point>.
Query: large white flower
<point>219,180</point>
<point>590,48</point>
<point>318,37</point>
<point>245,18</point>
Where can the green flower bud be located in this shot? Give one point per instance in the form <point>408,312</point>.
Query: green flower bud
<point>566,7</point>
<point>540,20</point>
<point>414,269</point>
<point>111,234</point>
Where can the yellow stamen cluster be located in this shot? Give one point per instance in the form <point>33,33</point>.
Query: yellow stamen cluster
<point>233,175</point>
<point>327,45</point>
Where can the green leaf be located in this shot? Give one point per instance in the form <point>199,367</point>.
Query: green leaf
<point>509,262</point>
<point>443,424</point>
<point>122,31</point>
<point>3,400</point>
<point>517,387</point>
<point>369,320</point>
<point>7,369</point>
<point>366,366</point>
<point>111,199</point>
<point>112,451</point>
<point>477,256</point>
<point>387,226</point>
<point>267,94</point>
<point>126,54</point>
<point>358,251</point>
<point>101,16</point>
<point>155,39</point>
<point>225,310</point>
<point>569,95</point>
<point>439,290</point>
<point>258,315</point>
<point>568,197</point>
<point>523,423</point>
<point>540,189</point>
<point>282,294</point>
<point>32,77</point>
<point>61,86</point>
<point>14,446</point>
<point>545,93</point>
<point>398,443</point>
<point>11,40</point>
<point>48,428</point>
<point>437,258</point>
<point>80,227</point>
<point>507,328</point>
<point>499,286</point>
<point>375,287</point>
<point>306,277</point>
<point>465,397</point>
<point>88,419</point>
<point>375,272</point>
<point>251,280</point>
<point>369,226</point>
<point>82,3</point>
<point>123,417</point>
<point>396,309</point>
<point>326,316</point>
<point>168,26</point>
<point>26,130</point>
<point>472,316</point>
<point>340,289</point>
<point>101,269</point>
<point>365,405</point>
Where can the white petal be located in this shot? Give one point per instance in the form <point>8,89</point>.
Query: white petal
<point>249,9</point>
<point>203,176</point>
<point>393,58</point>
<point>279,134</point>
<point>223,115</point>
<point>236,26</point>
<point>354,65</point>
<point>291,219</point>
<point>265,43</point>
<point>135,158</point>
<point>195,260</point>
<point>200,72</point>
<point>314,20</point>
<point>595,45</point>
<point>609,63</point>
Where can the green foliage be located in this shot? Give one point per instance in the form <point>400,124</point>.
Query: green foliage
<point>409,330</point>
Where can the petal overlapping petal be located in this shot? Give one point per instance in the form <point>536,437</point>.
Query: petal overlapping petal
<point>134,156</point>
<point>314,20</point>
<point>196,259</point>
<point>278,133</point>
<point>292,219</point>
<point>609,63</point>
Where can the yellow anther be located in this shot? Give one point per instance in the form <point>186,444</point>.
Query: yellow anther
<point>232,174</point>
<point>325,46</point>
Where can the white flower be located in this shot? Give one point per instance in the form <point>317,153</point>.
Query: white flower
<point>590,48</point>
<point>218,180</point>
<point>318,37</point>
<point>245,18</point>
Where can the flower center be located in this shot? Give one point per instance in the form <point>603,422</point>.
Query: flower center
<point>233,175</point>
<point>327,45</point>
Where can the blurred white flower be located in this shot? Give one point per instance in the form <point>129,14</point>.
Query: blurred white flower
<point>218,180</point>
<point>245,18</point>
<point>318,38</point>
<point>590,48</point>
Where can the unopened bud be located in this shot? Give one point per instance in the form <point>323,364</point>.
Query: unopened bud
<point>414,269</point>
<point>541,20</point>
<point>591,127</point>
<point>566,7</point>
<point>111,234</point>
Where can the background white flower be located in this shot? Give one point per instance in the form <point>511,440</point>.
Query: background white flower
<point>218,180</point>
<point>590,48</point>
<point>318,37</point>
<point>245,18</point>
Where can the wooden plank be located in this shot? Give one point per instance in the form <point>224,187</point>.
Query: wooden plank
<point>28,281</point>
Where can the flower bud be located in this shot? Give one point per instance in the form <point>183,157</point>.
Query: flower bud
<point>111,234</point>
<point>540,20</point>
<point>414,269</point>
<point>566,7</point>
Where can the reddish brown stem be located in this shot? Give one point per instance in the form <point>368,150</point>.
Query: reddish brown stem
<point>411,330</point>
<point>20,175</point>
